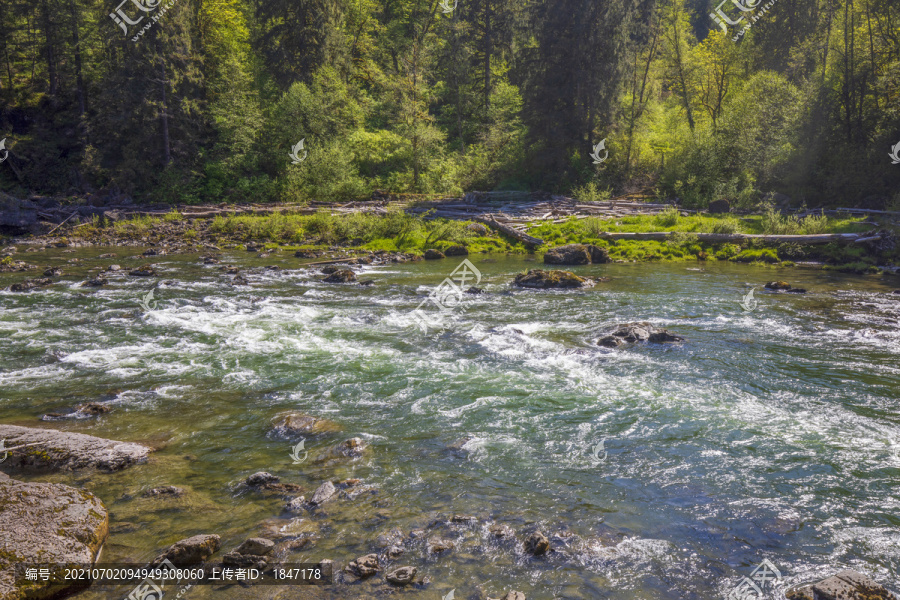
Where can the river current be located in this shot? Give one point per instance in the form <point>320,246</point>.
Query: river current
<point>658,471</point>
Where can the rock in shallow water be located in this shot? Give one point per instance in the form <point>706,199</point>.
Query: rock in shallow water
<point>342,276</point>
<point>402,576</point>
<point>846,585</point>
<point>46,523</point>
<point>537,544</point>
<point>64,450</point>
<point>322,495</point>
<point>540,279</point>
<point>638,332</point>
<point>364,566</point>
<point>295,424</point>
<point>190,551</point>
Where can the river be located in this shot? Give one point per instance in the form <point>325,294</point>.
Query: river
<point>661,471</point>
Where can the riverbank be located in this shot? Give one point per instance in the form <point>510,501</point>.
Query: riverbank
<point>328,235</point>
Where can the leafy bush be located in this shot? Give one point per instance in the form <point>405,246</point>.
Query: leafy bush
<point>668,218</point>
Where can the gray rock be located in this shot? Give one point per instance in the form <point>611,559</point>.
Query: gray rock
<point>395,552</point>
<point>95,282</point>
<point>364,566</point>
<point>190,551</point>
<point>256,546</point>
<point>342,276</point>
<point>570,254</point>
<point>437,545</point>
<point>299,424</point>
<point>297,504</point>
<point>598,255</point>
<point>402,576</point>
<point>352,448</point>
<point>540,279</point>
<point>322,495</point>
<point>16,213</point>
<point>846,585</point>
<point>65,450</point>
<point>262,478</point>
<point>246,561</point>
<point>537,544</point>
<point>457,250</point>
<point>47,523</point>
<point>432,254</point>
<point>638,332</point>
<point>167,491</point>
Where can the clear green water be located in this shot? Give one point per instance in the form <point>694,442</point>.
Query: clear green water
<point>769,434</point>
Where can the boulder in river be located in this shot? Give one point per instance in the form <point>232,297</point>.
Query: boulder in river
<point>402,576</point>
<point>189,551</point>
<point>537,544</point>
<point>778,285</point>
<point>629,333</point>
<point>513,595</point>
<point>432,254</point>
<point>52,272</point>
<point>540,279</point>
<point>99,281</point>
<point>51,449</point>
<point>47,523</point>
<point>82,411</point>
<point>364,566</point>
<point>166,491</point>
<point>30,284</point>
<point>342,276</point>
<point>352,448</point>
<point>143,271</point>
<point>846,585</point>
<point>300,424</point>
<point>271,483</point>
<point>323,494</point>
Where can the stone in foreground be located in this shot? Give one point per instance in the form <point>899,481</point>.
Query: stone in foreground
<point>402,576</point>
<point>46,523</point>
<point>542,280</point>
<point>299,424</point>
<point>190,551</point>
<point>53,449</point>
<point>846,585</point>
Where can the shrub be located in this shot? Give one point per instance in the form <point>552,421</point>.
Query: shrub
<point>668,218</point>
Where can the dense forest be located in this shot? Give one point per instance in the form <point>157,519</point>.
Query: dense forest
<point>206,100</point>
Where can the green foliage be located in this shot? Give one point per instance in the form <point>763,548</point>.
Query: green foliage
<point>668,217</point>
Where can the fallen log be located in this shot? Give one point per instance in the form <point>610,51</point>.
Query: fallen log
<point>491,222</point>
<point>718,238</point>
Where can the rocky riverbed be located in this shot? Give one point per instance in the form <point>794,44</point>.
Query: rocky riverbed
<point>506,455</point>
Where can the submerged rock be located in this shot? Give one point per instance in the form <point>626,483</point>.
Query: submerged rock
<point>342,276</point>
<point>402,576</point>
<point>437,545</point>
<point>190,551</point>
<point>297,424</point>
<point>64,450</point>
<point>778,285</point>
<point>540,279</point>
<point>846,585</point>
<point>47,523</point>
<point>352,448</point>
<point>82,411</point>
<point>166,491</point>
<point>638,332</point>
<point>53,272</point>
<point>323,494</point>
<point>262,478</point>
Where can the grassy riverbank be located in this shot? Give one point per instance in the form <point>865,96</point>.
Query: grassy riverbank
<point>399,231</point>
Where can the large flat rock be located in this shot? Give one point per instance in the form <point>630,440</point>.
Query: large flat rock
<point>46,523</point>
<point>63,450</point>
<point>846,585</point>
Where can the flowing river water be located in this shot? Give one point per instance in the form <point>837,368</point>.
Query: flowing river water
<point>769,434</point>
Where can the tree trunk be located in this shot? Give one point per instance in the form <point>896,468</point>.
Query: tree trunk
<point>49,50</point>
